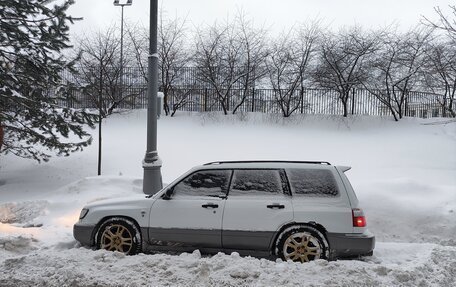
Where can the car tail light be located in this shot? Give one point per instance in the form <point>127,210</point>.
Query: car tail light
<point>359,220</point>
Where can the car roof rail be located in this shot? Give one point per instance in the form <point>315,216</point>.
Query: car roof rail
<point>266,161</point>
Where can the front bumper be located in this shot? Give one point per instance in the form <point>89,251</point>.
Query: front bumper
<point>352,244</point>
<point>84,234</point>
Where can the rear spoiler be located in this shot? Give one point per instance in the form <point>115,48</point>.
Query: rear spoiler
<point>344,168</point>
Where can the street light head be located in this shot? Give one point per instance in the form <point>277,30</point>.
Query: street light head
<point>122,3</point>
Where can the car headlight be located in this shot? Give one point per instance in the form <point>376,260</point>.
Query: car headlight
<point>84,212</point>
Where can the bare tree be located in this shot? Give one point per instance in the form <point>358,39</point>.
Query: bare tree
<point>139,39</point>
<point>173,56</point>
<point>306,41</point>
<point>440,75</point>
<point>395,68</point>
<point>441,60</point>
<point>180,98</point>
<point>99,71</point>
<point>98,75</point>
<point>218,52</point>
<point>288,67</point>
<point>251,62</point>
<point>445,22</point>
<point>343,61</point>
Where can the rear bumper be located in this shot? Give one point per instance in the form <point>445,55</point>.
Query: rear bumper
<point>84,234</point>
<point>349,245</point>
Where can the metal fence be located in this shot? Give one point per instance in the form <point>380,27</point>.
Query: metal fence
<point>311,101</point>
<point>191,94</point>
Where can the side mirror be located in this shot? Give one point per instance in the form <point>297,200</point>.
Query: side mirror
<point>167,194</point>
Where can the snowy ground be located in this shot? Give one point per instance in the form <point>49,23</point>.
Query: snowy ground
<point>404,175</point>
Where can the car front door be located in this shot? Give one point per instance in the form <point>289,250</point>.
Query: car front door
<point>256,207</point>
<point>192,213</point>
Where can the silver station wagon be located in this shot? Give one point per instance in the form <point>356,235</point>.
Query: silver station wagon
<point>297,211</point>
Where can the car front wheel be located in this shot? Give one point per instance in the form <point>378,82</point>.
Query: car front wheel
<point>119,234</point>
<point>302,244</point>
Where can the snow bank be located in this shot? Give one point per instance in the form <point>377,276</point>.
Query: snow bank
<point>403,173</point>
<point>397,265</point>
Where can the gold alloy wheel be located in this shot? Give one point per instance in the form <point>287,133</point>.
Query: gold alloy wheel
<point>116,237</point>
<point>301,246</point>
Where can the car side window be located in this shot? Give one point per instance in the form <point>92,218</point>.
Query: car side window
<point>312,182</point>
<point>256,182</point>
<point>204,183</point>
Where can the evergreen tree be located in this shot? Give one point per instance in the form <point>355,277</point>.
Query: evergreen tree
<point>33,114</point>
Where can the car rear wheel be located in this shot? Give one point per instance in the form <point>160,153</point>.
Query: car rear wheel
<point>302,244</point>
<point>119,234</point>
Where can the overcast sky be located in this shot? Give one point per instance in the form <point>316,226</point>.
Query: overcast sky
<point>278,15</point>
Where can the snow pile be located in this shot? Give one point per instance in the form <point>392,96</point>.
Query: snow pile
<point>17,244</point>
<point>396,265</point>
<point>22,212</point>
<point>403,174</point>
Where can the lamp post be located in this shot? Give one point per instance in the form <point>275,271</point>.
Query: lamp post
<point>152,181</point>
<point>117,3</point>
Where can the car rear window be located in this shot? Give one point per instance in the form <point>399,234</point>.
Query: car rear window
<point>312,182</point>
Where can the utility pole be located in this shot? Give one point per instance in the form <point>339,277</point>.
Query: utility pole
<point>100,116</point>
<point>116,3</point>
<point>152,181</point>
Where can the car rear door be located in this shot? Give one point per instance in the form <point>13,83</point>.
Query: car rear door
<point>256,207</point>
<point>192,214</point>
<point>319,196</point>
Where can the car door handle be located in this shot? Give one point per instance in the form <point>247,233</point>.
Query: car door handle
<point>210,205</point>
<point>275,206</point>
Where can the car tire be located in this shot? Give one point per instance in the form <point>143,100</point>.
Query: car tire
<point>119,234</point>
<point>302,244</point>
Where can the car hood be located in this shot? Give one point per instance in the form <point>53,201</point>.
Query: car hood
<point>135,200</point>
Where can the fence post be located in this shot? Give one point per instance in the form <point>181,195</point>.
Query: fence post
<point>353,101</point>
<point>302,100</point>
<point>253,99</point>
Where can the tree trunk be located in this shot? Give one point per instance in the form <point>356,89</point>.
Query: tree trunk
<point>394,114</point>
<point>244,97</point>
<point>450,108</point>
<point>165,100</point>
<point>165,103</point>
<point>345,107</point>
<point>1,136</point>
<point>344,95</point>
<point>399,111</point>
<point>223,102</point>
